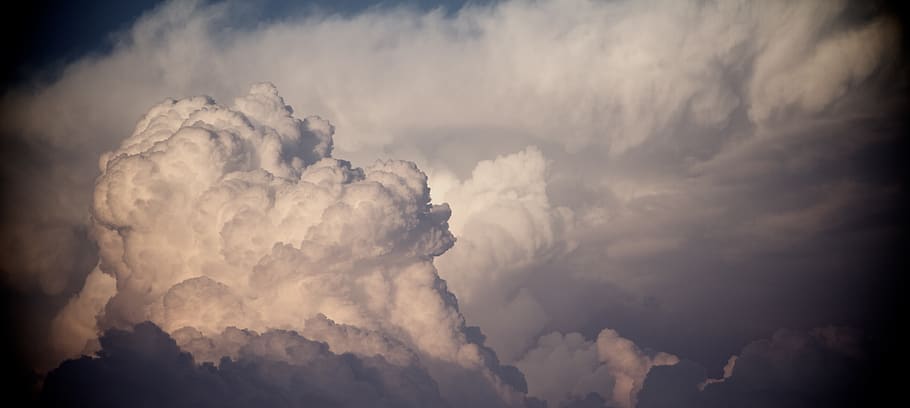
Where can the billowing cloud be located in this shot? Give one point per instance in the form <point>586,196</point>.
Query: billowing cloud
<point>506,227</point>
<point>75,327</point>
<point>568,369</point>
<point>211,217</point>
<point>656,144</point>
<point>685,173</point>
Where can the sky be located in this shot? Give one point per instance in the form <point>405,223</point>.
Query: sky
<point>560,203</point>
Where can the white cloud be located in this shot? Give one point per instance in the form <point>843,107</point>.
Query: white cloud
<point>616,76</point>
<point>75,326</point>
<point>505,227</point>
<point>566,367</point>
<point>211,217</point>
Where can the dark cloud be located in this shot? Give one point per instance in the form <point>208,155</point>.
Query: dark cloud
<point>592,400</point>
<point>144,367</point>
<point>825,367</point>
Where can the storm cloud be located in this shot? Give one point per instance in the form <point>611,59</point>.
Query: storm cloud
<point>791,369</point>
<point>144,367</point>
<point>591,203</point>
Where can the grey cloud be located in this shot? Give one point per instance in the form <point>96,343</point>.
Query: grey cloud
<point>704,172</point>
<point>592,400</point>
<point>144,367</point>
<point>566,369</point>
<point>791,369</point>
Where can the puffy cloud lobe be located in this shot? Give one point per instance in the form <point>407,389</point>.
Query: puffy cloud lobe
<point>506,227</point>
<point>791,369</point>
<point>567,369</point>
<point>211,217</point>
<point>505,217</point>
<point>350,339</point>
<point>75,326</point>
<point>561,367</point>
<point>145,367</point>
<point>628,365</point>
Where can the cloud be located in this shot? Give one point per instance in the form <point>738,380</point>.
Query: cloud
<point>611,86</point>
<point>216,222</point>
<point>211,217</point>
<point>75,328</point>
<point>567,369</point>
<point>728,372</point>
<point>144,366</point>
<point>812,70</point>
<point>505,227</point>
<point>611,77</point>
<point>644,166</point>
<point>339,337</point>
<point>791,369</point>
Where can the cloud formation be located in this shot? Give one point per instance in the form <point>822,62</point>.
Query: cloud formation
<point>145,367</point>
<point>506,227</point>
<point>791,369</point>
<point>685,173</point>
<point>211,217</point>
<point>567,369</point>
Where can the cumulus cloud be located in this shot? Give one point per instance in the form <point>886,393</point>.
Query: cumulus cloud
<point>645,166</point>
<point>567,369</point>
<point>218,222</point>
<point>211,217</point>
<point>612,85</point>
<point>506,226</point>
<point>75,327</point>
